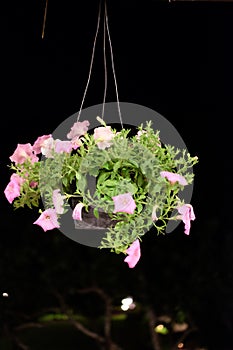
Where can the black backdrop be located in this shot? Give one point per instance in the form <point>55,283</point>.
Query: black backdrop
<point>175,58</point>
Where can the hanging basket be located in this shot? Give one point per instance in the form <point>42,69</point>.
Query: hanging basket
<point>122,181</point>
<point>89,221</point>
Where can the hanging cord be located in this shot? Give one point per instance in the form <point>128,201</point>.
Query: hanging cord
<point>112,60</point>
<point>92,59</point>
<point>105,69</point>
<point>44,19</point>
<point>106,26</point>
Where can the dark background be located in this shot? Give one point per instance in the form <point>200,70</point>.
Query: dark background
<point>175,58</point>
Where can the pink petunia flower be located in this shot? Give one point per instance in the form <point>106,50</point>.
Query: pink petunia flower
<point>63,146</point>
<point>39,143</point>
<point>17,178</point>
<point>187,214</point>
<point>12,191</point>
<point>76,143</point>
<point>77,212</point>
<point>134,254</point>
<point>58,201</point>
<point>22,153</point>
<point>48,146</point>
<point>124,203</point>
<point>103,136</point>
<point>48,220</point>
<point>173,177</point>
<point>78,129</point>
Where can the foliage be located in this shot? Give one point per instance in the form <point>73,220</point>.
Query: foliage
<point>136,180</point>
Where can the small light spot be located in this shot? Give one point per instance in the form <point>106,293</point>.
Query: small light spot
<point>180,345</point>
<point>124,307</point>
<point>161,329</point>
<point>5,295</point>
<point>127,301</point>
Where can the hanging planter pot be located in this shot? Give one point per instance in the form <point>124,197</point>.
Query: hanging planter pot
<point>110,179</point>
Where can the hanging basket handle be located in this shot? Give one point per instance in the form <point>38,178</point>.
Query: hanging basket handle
<point>106,27</point>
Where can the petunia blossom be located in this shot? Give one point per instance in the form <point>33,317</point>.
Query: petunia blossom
<point>103,136</point>
<point>22,153</point>
<point>124,203</point>
<point>78,129</point>
<point>17,178</point>
<point>187,214</point>
<point>12,191</point>
<point>77,212</point>
<point>48,146</point>
<point>48,220</point>
<point>58,201</point>
<point>39,143</point>
<point>134,254</point>
<point>76,143</point>
<point>63,146</point>
<point>173,177</point>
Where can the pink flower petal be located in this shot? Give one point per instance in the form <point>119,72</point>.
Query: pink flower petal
<point>48,220</point>
<point>173,177</point>
<point>134,254</point>
<point>58,201</point>
<point>187,214</point>
<point>63,146</point>
<point>17,178</point>
<point>22,153</point>
<point>39,143</point>
<point>103,136</point>
<point>78,129</point>
<point>12,191</point>
<point>47,148</point>
<point>77,212</point>
<point>154,215</point>
<point>76,143</point>
<point>124,203</point>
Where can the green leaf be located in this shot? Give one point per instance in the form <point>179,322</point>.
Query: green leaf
<point>111,183</point>
<point>117,165</point>
<point>140,180</point>
<point>140,207</point>
<point>81,184</point>
<point>96,213</point>
<point>102,177</point>
<point>108,166</point>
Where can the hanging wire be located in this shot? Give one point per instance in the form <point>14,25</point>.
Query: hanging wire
<point>106,26</point>
<point>92,59</point>
<point>105,69</point>
<point>112,60</point>
<point>44,19</point>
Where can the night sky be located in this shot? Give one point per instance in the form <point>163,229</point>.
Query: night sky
<point>175,58</point>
